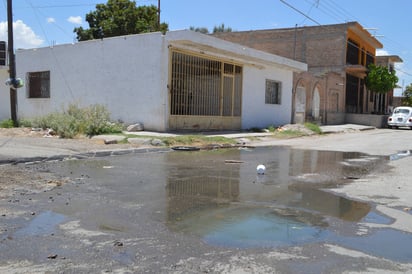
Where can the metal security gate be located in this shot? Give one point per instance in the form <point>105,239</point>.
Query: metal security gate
<point>205,93</point>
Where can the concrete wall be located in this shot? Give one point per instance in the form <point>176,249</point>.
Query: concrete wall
<point>336,118</point>
<point>128,75</point>
<point>4,94</point>
<point>374,120</point>
<point>255,113</point>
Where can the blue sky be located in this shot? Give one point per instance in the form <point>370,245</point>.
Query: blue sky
<point>40,23</point>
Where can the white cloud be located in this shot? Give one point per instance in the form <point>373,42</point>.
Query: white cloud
<point>75,20</point>
<point>381,52</point>
<point>24,36</point>
<point>51,20</point>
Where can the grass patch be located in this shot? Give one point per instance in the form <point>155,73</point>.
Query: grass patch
<point>196,140</point>
<point>7,123</point>
<point>284,134</point>
<point>188,140</point>
<point>314,127</point>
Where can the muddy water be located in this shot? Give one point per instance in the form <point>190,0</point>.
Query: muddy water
<point>218,198</point>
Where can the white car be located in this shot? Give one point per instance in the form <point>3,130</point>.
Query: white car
<point>400,117</point>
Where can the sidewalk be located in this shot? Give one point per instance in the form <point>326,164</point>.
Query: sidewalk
<point>30,149</point>
<point>344,128</point>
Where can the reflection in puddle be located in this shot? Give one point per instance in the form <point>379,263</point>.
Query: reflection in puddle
<point>217,196</point>
<point>246,227</point>
<point>376,218</point>
<point>229,205</point>
<point>293,179</point>
<point>400,155</point>
<point>43,224</point>
<point>386,243</point>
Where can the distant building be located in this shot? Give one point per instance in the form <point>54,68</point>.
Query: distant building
<point>337,57</point>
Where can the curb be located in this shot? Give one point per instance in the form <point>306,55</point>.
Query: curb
<point>79,156</point>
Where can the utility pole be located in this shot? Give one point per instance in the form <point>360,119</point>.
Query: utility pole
<point>12,64</point>
<point>158,13</point>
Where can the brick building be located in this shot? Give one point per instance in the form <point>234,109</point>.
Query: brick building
<point>337,57</point>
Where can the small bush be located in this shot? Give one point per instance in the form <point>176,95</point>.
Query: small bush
<point>99,121</point>
<point>7,123</point>
<point>271,128</point>
<point>25,123</point>
<point>314,127</point>
<point>92,120</point>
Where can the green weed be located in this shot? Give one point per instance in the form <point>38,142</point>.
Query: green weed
<point>7,123</point>
<point>92,120</point>
<point>314,127</point>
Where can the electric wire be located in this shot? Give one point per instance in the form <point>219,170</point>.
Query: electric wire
<point>302,13</point>
<point>59,67</point>
<point>333,10</point>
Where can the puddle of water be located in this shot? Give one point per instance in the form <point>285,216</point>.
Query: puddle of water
<point>43,224</point>
<point>375,218</point>
<point>244,227</point>
<point>400,155</point>
<point>386,243</point>
<point>293,178</point>
<point>219,197</point>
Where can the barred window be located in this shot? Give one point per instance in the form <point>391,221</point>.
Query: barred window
<point>202,86</point>
<point>38,84</point>
<point>3,56</point>
<point>273,92</point>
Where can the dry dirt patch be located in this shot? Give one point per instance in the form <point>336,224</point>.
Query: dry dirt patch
<point>14,179</point>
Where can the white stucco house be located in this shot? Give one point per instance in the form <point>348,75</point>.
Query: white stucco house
<point>181,80</point>
<point>4,94</point>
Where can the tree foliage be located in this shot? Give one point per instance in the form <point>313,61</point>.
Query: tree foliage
<point>120,17</point>
<point>216,29</point>
<point>380,79</point>
<point>222,28</point>
<point>407,96</point>
<point>201,30</point>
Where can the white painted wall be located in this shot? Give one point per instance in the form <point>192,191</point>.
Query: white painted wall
<point>126,74</point>
<point>255,113</point>
<point>129,75</point>
<point>4,94</point>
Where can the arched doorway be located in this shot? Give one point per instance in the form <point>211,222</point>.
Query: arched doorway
<point>300,105</point>
<point>316,105</point>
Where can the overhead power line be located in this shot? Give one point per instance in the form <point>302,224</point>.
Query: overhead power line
<point>304,14</point>
<point>63,6</point>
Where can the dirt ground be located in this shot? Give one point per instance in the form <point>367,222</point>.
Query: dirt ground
<point>22,132</point>
<point>15,178</point>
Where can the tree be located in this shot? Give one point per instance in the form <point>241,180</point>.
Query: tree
<point>221,28</point>
<point>120,17</point>
<point>380,79</point>
<point>407,96</point>
<point>201,30</point>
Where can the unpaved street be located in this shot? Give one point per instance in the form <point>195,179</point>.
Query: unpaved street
<point>53,216</point>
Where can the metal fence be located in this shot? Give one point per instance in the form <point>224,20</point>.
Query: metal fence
<point>204,87</point>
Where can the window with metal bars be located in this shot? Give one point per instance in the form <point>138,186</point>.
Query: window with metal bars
<point>352,53</point>
<point>273,92</point>
<point>370,59</point>
<point>38,84</point>
<point>3,55</point>
<point>204,87</point>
